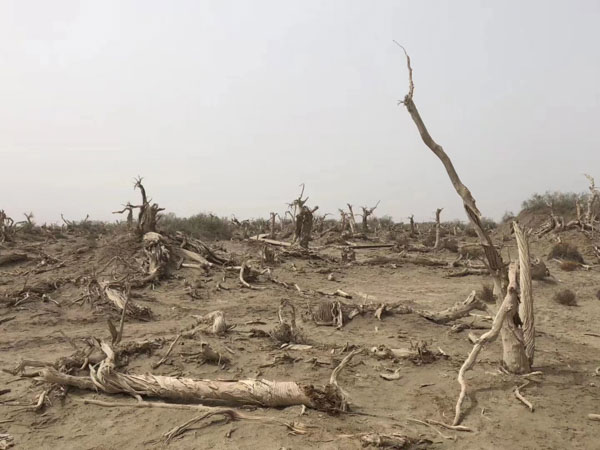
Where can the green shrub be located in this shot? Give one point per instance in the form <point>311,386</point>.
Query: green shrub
<point>202,226</point>
<point>562,202</point>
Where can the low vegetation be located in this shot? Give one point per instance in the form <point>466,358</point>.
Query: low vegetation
<point>202,226</point>
<point>564,250</point>
<point>565,297</point>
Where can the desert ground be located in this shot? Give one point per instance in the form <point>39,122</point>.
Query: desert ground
<point>57,298</point>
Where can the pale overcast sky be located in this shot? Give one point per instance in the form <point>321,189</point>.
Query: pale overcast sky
<point>227,106</point>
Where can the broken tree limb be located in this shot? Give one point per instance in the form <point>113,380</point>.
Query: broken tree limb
<point>438,227</point>
<point>120,300</point>
<point>509,304</point>
<point>231,414</point>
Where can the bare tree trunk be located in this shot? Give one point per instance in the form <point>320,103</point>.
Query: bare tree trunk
<point>366,213</point>
<point>272,225</point>
<point>515,358</point>
<point>304,224</point>
<point>352,219</point>
<point>343,220</point>
<point>438,211</point>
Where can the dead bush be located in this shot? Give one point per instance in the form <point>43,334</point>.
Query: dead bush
<point>450,244</point>
<point>471,251</point>
<point>565,297</point>
<point>486,293</point>
<point>569,266</point>
<point>539,271</point>
<point>470,231</point>
<point>564,250</point>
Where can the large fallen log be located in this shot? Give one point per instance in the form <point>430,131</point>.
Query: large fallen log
<point>330,398</point>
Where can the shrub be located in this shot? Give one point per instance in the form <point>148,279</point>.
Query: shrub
<point>487,294</point>
<point>569,266</point>
<point>202,226</point>
<point>471,251</point>
<point>508,217</point>
<point>565,297</point>
<point>564,250</point>
<point>488,224</point>
<point>450,244</point>
<point>562,202</point>
<point>470,231</point>
<point>385,222</point>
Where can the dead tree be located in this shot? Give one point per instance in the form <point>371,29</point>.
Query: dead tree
<point>304,225</point>
<point>272,225</point>
<point>366,212</point>
<point>438,227</point>
<point>412,225</point>
<point>343,220</point>
<point>515,358</point>
<point>352,219</point>
<point>6,226</point>
<point>148,213</point>
<point>594,196</point>
<point>129,208</point>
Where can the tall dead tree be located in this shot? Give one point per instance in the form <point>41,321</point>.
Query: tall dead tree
<point>351,219</point>
<point>438,227</point>
<point>148,213</point>
<point>6,226</point>
<point>593,197</point>
<point>129,208</point>
<point>366,212</point>
<point>272,218</point>
<point>343,220</point>
<point>303,219</point>
<point>514,355</point>
<point>411,218</point>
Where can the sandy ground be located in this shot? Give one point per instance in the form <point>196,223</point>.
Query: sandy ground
<point>567,356</point>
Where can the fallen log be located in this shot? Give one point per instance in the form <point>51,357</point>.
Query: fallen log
<point>263,238</point>
<point>330,398</point>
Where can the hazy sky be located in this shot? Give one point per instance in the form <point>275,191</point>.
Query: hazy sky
<point>227,106</point>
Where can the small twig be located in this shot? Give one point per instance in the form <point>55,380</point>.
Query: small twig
<point>449,427</point>
<point>521,398</point>
<point>452,438</point>
<point>122,322</point>
<point>164,358</point>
